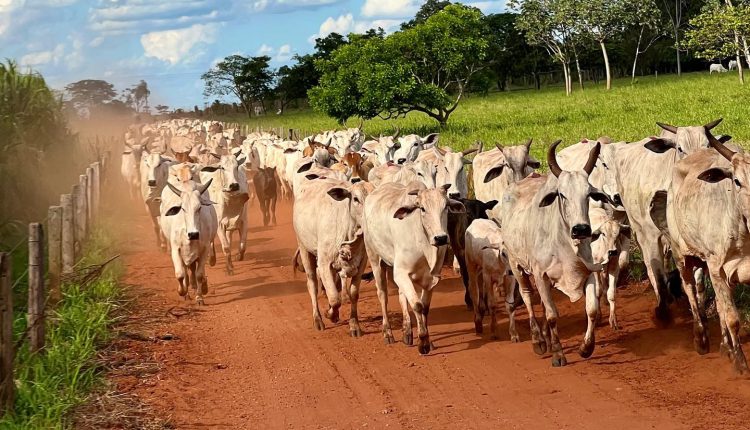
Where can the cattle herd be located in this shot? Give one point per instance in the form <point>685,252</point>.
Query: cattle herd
<point>395,206</point>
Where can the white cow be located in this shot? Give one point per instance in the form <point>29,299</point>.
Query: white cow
<point>405,229</point>
<point>154,173</point>
<point>718,68</point>
<point>189,221</point>
<point>130,167</point>
<point>228,192</point>
<point>732,64</point>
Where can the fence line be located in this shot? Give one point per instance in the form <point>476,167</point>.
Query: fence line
<point>68,227</point>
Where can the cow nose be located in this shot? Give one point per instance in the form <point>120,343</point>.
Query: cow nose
<point>152,183</point>
<point>580,231</point>
<point>454,195</point>
<point>193,235</point>
<point>616,199</point>
<point>612,253</point>
<point>440,240</point>
<point>401,160</point>
<point>355,180</point>
<point>234,187</point>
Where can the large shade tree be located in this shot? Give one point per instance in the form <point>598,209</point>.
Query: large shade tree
<point>426,68</point>
<point>249,79</point>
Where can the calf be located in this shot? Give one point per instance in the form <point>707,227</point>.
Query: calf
<point>488,268</point>
<point>190,223</point>
<point>610,246</point>
<point>154,172</point>
<point>130,167</point>
<point>405,230</point>
<point>265,190</point>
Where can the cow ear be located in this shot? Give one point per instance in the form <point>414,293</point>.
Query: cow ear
<point>210,169</point>
<point>241,160</point>
<point>660,145</point>
<point>715,174</point>
<point>490,205</point>
<point>305,167</point>
<point>174,210</point>
<point>595,235</point>
<point>313,176</point>
<point>339,194</point>
<point>493,173</point>
<point>600,197</point>
<point>548,199</point>
<point>456,206</point>
<point>431,139</point>
<point>534,164</point>
<point>403,211</point>
<point>290,151</point>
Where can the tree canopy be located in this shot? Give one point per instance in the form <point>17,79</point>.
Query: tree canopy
<point>249,79</point>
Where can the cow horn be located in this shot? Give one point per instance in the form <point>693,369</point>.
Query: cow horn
<point>174,189</point>
<point>552,159</point>
<point>202,189</point>
<point>669,128</point>
<point>328,143</point>
<point>481,147</point>
<point>466,152</point>
<point>398,133</point>
<point>528,144</point>
<point>719,147</point>
<point>713,124</point>
<point>593,155</point>
<point>498,146</point>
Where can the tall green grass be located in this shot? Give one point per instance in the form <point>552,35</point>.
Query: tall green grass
<point>627,112</point>
<point>50,384</point>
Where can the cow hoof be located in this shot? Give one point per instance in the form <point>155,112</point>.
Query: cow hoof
<point>212,261</point>
<point>613,324</point>
<point>700,342</point>
<point>200,301</point>
<point>586,350</point>
<point>204,289</point>
<point>724,350</point>
<point>478,327</point>
<point>663,316</point>
<point>333,315</point>
<point>408,338</point>
<point>424,347</point>
<point>241,256</point>
<point>514,338</point>
<point>559,361</point>
<point>355,332</point>
<point>540,347</point>
<point>388,339</point>
<point>740,363</point>
<point>182,291</point>
<point>318,324</point>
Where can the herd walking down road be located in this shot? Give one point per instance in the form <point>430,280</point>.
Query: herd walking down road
<point>367,219</point>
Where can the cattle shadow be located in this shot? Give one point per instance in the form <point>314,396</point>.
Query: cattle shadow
<point>267,290</point>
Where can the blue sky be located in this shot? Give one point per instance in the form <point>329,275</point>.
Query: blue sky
<point>169,43</point>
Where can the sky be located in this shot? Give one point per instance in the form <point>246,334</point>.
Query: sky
<point>170,43</point>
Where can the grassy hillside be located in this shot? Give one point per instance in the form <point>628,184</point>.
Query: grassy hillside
<point>624,113</point>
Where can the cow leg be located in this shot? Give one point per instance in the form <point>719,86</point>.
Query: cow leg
<point>700,287</point>
<point>592,310</point>
<point>550,310</point>
<point>654,261</point>
<point>273,210</point>
<point>309,262</point>
<point>225,237</point>
<point>406,286</point>
<point>600,281</point>
<point>509,283</point>
<point>731,320</point>
<point>407,326</point>
<point>352,289</point>
<point>700,322</point>
<point>472,288</point>
<point>613,274</point>
<point>426,298</point>
<point>158,233</point>
<point>460,257</point>
<point>492,295</point>
<point>242,226</point>
<point>179,272</point>
<point>540,346</point>
<point>379,272</point>
<point>328,278</point>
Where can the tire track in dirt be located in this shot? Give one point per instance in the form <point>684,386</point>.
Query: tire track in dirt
<point>250,359</point>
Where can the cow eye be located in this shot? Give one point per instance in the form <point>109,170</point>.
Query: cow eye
<point>420,174</point>
<point>737,182</point>
<point>356,200</point>
<point>416,144</point>
<point>422,209</point>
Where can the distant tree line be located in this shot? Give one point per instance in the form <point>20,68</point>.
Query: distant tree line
<point>449,49</point>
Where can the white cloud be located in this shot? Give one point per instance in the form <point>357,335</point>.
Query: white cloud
<point>346,24</point>
<point>174,46</point>
<point>39,58</point>
<point>279,6</point>
<point>265,50</point>
<point>490,6</point>
<point>390,8</point>
<point>96,41</point>
<point>284,54</point>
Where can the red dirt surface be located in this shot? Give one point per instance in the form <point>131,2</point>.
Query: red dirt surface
<point>250,359</point>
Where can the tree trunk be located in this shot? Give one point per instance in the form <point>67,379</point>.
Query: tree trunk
<point>637,52</point>
<point>578,70</point>
<point>747,50</point>
<point>537,81</point>
<point>740,70</point>
<point>606,65</point>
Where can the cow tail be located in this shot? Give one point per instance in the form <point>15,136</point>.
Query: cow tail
<point>295,265</point>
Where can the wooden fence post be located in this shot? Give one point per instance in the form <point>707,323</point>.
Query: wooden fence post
<point>35,317</point>
<point>54,250</point>
<point>75,197</point>
<point>68,233</point>
<point>89,194</point>
<point>83,208</point>
<point>7,347</point>
<point>96,194</point>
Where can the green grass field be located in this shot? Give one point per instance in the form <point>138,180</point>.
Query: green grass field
<point>627,112</point>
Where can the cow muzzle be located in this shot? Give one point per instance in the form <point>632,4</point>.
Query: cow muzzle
<point>580,231</point>
<point>617,200</point>
<point>193,235</point>
<point>234,187</point>
<point>440,240</point>
<point>612,253</point>
<point>401,160</point>
<point>355,180</point>
<point>152,183</point>
<point>454,195</point>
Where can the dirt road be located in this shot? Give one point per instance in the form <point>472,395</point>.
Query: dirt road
<point>251,360</point>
